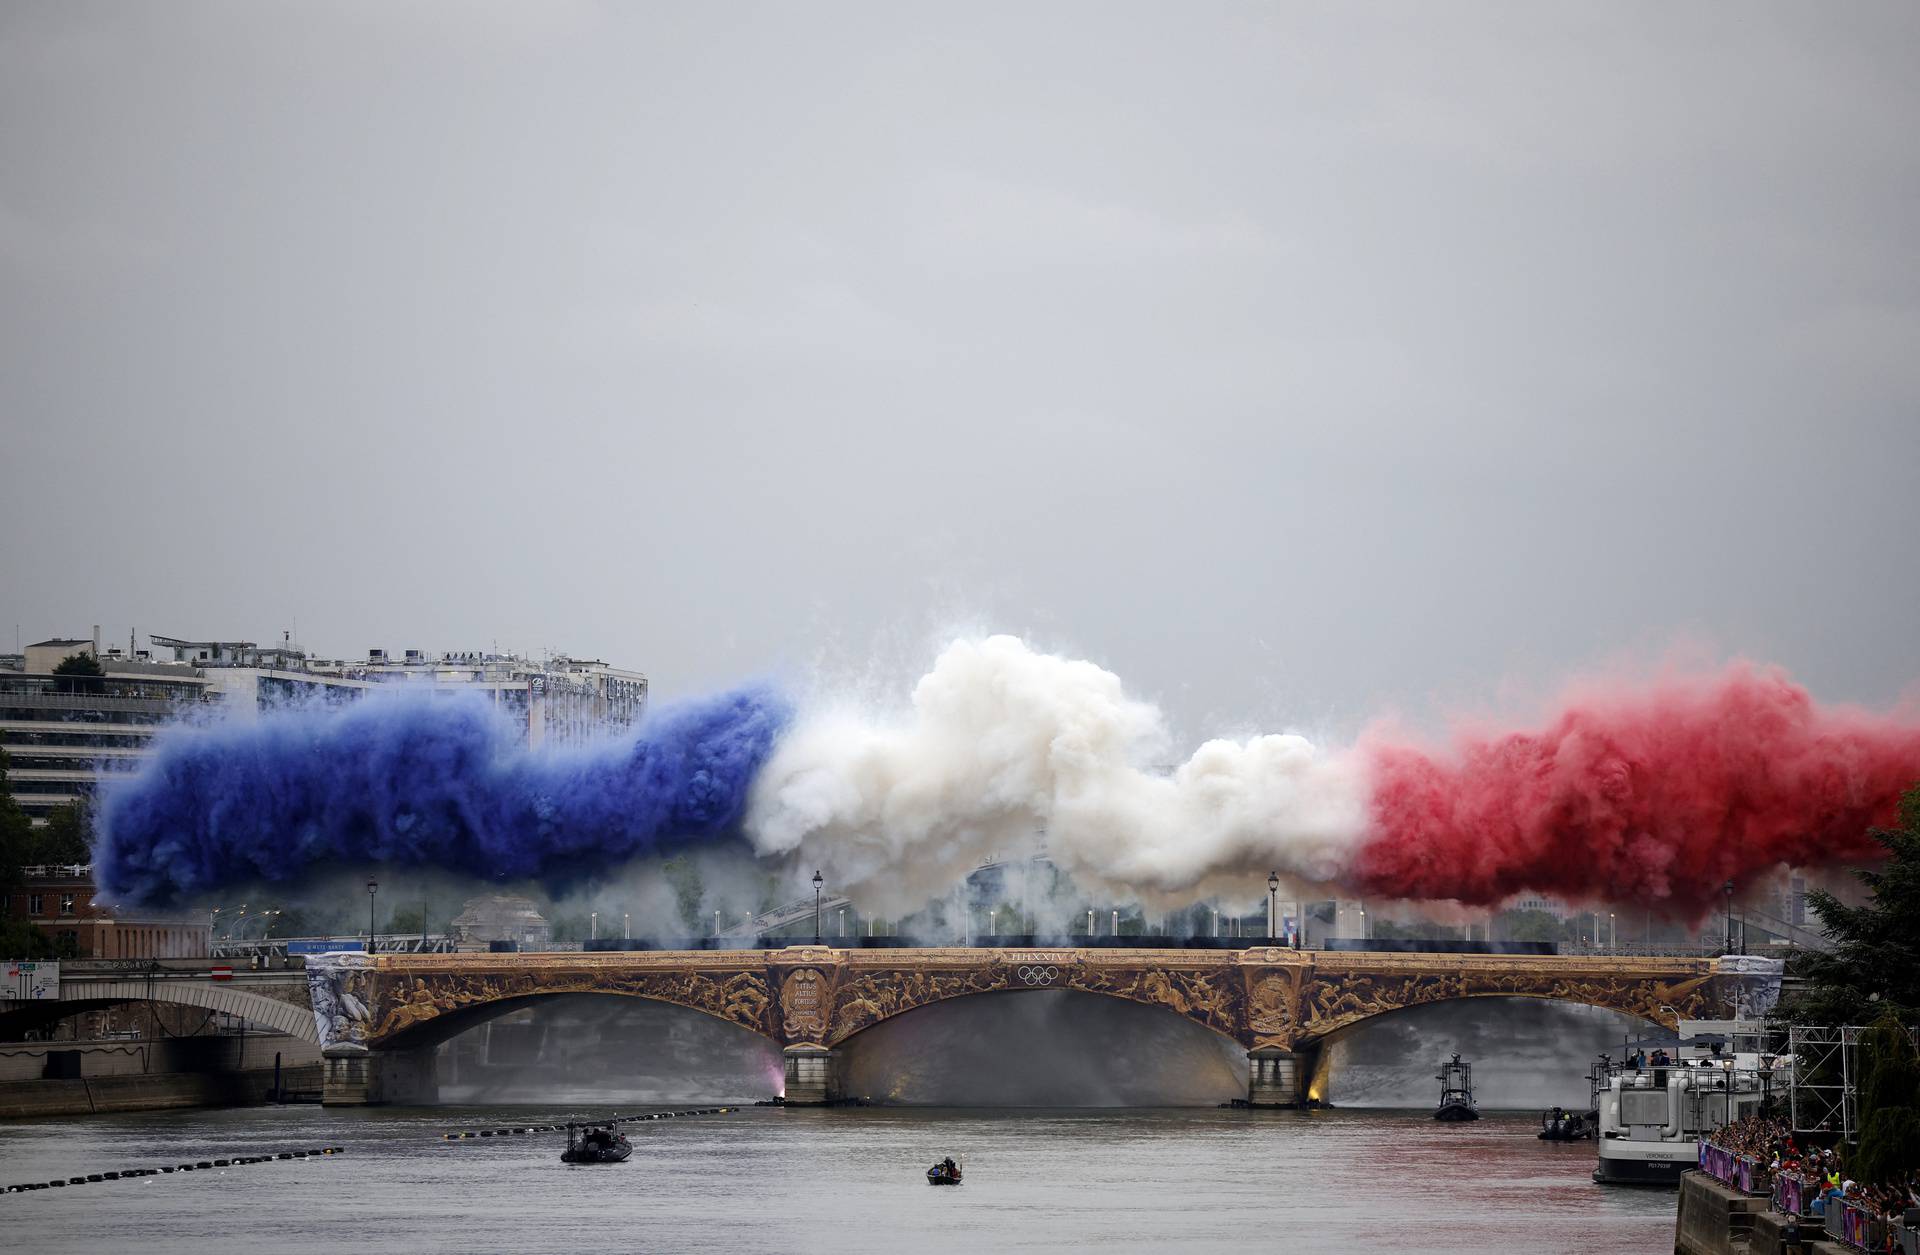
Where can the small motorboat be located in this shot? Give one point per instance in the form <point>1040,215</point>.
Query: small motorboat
<point>1456,1092</point>
<point>945,1172</point>
<point>595,1144</point>
<point>1565,1126</point>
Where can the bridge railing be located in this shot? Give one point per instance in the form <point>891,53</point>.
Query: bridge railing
<point>383,943</point>
<point>57,871</point>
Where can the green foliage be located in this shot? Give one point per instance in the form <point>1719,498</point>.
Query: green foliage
<point>79,673</point>
<point>16,839</point>
<point>67,836</point>
<point>21,940</point>
<point>1889,1106</point>
<point>314,921</point>
<point>1874,966</point>
<point>1529,926</point>
<point>415,918</point>
<point>1417,930</point>
<point>688,891</point>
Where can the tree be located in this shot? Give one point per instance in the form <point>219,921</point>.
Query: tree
<point>19,939</point>
<point>314,921</point>
<point>1889,1106</point>
<point>67,836</point>
<point>1419,930</point>
<point>1874,965</point>
<point>1530,925</point>
<point>79,673</point>
<point>689,892</point>
<point>16,839</point>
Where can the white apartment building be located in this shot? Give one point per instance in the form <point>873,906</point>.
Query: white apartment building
<point>557,701</point>
<point>63,734</point>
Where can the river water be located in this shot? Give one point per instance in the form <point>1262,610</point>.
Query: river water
<point>835,1180</point>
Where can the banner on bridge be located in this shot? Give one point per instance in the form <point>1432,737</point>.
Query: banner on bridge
<point>32,980</point>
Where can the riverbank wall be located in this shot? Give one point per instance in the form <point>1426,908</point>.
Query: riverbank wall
<point>65,1078</point>
<point>1714,1220</point>
<point>159,1091</point>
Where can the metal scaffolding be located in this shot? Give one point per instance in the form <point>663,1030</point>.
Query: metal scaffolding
<point>1820,1089</point>
<point>1821,1095</point>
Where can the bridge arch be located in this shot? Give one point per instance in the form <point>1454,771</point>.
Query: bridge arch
<point>364,1003</point>
<point>1075,1049</point>
<point>1350,1028</point>
<point>1332,1002</point>
<point>1206,992</point>
<point>286,1017</point>
<point>432,1030</point>
<point>1159,995</point>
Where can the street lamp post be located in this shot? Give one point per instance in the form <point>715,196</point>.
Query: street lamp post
<point>626,925</point>
<point>1729,945</point>
<point>1089,921</point>
<point>373,887</point>
<point>842,926</point>
<point>1273,904</point>
<point>817,882</point>
<point>593,925</point>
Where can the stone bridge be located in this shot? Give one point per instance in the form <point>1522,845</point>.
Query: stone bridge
<point>378,1016</point>
<point>274,1000</point>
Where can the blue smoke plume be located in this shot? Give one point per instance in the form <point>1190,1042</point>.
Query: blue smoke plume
<point>415,782</point>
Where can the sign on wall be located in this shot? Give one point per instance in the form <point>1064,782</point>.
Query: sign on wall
<point>31,980</point>
<point>323,947</point>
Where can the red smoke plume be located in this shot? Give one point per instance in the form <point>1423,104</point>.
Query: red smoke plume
<point>1658,798</point>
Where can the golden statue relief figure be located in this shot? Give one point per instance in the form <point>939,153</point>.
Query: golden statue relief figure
<point>1270,1004</point>
<point>822,996</point>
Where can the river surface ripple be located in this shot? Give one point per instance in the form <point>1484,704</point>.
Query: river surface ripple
<point>840,1180</point>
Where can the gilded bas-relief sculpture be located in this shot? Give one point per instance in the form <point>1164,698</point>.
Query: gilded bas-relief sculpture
<point>815,995</point>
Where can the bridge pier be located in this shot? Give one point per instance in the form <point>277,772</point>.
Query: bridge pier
<point>813,1076</point>
<point>1279,1078</point>
<point>358,1077</point>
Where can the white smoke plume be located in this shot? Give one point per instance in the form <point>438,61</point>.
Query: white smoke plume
<point>1002,744</point>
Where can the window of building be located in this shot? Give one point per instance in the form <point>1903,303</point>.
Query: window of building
<point>36,903</point>
<point>66,904</point>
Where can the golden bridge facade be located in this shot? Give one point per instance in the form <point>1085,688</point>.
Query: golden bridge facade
<point>378,1017</point>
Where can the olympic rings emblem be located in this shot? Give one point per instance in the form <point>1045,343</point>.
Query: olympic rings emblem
<point>1037,974</point>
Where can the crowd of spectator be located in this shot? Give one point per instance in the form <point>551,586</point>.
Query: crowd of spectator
<point>1770,1142</point>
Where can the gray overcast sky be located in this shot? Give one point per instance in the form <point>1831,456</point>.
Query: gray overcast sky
<point>1294,360</point>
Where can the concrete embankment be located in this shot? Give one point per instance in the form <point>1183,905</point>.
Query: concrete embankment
<point>156,1091</point>
<point>1715,1220</point>
<point>64,1078</point>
